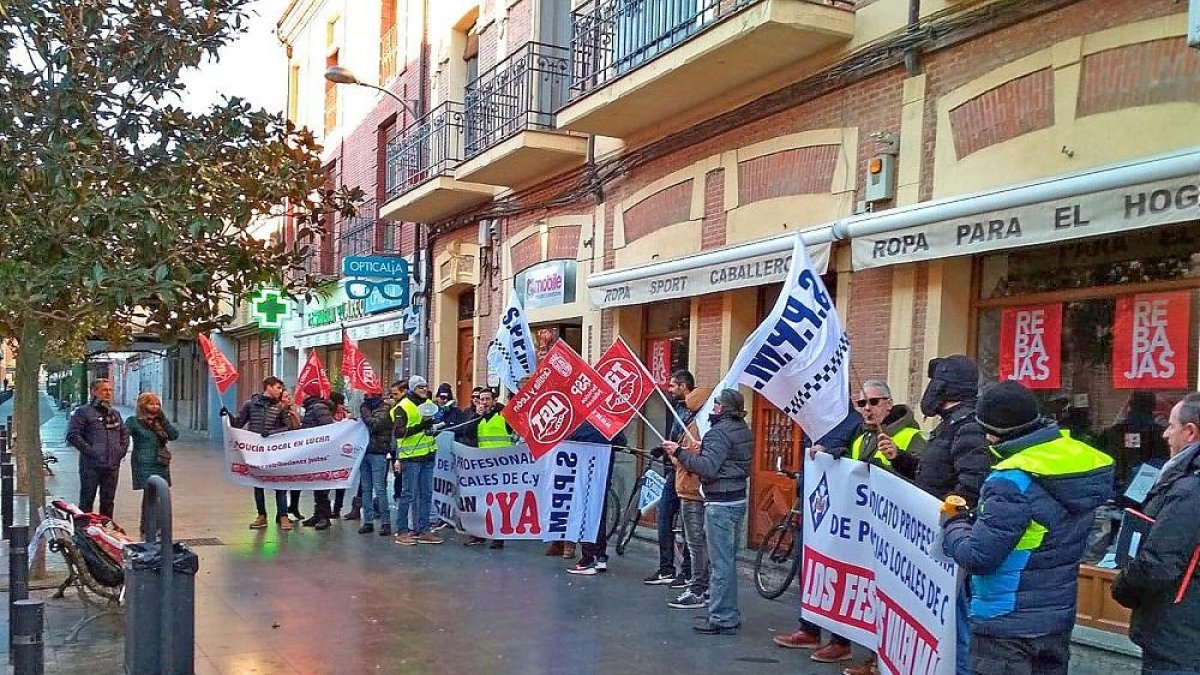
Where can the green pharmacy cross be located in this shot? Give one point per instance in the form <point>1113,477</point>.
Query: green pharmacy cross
<point>268,308</point>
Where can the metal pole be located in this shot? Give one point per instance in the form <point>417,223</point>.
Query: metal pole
<point>7,470</point>
<point>158,495</point>
<point>18,574</point>
<point>28,655</point>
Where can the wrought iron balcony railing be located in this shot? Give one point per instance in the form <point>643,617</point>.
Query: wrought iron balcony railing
<point>356,236</point>
<point>428,148</point>
<point>519,93</point>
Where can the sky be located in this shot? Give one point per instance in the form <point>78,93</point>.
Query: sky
<point>254,67</point>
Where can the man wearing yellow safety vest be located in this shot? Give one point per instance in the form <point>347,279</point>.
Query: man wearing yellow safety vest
<point>415,449</point>
<point>487,430</point>
<point>1023,545</point>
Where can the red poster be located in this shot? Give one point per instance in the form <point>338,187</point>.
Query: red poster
<point>659,358</point>
<point>1031,345</point>
<point>357,369</point>
<point>556,400</point>
<point>1150,341</point>
<point>632,385</point>
<point>223,372</point>
<point>312,380</point>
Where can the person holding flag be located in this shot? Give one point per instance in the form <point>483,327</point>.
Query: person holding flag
<point>512,352</point>
<point>488,429</point>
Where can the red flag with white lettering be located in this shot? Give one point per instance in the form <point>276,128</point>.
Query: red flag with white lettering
<point>556,400</point>
<point>357,369</point>
<point>223,372</point>
<point>632,384</point>
<point>312,380</point>
<point>1150,341</point>
<point>1031,345</point>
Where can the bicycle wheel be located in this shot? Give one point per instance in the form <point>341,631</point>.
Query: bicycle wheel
<point>776,565</point>
<point>612,513</point>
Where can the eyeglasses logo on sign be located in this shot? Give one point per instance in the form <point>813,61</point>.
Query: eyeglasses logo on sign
<point>550,417</point>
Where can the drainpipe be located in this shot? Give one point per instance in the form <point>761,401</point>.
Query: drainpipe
<point>912,62</point>
<point>426,251</point>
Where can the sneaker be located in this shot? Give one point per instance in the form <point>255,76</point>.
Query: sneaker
<point>429,538</point>
<point>687,600</point>
<point>601,564</point>
<point>832,653</point>
<point>406,539</point>
<point>496,544</point>
<point>680,581</point>
<point>285,524</point>
<point>259,523</point>
<point>385,530</point>
<point>707,628</point>
<point>295,515</point>
<point>799,640</point>
<point>474,541</point>
<point>367,528</point>
<point>440,526</point>
<point>585,568</point>
<point>867,667</point>
<point>659,578</point>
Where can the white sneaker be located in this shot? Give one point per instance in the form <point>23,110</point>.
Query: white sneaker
<point>601,565</point>
<point>688,600</point>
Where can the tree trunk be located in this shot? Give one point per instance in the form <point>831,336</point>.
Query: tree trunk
<point>28,422</point>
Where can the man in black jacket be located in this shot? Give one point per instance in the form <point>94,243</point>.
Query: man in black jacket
<point>97,432</point>
<point>723,465</point>
<point>1157,583</point>
<point>265,413</point>
<point>956,460</point>
<point>375,413</point>
<point>317,413</point>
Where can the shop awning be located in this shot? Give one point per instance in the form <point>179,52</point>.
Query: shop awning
<point>1158,190</point>
<point>724,269</point>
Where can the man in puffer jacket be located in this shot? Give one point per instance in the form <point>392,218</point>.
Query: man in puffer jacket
<point>266,413</point>
<point>723,464</point>
<point>956,459</point>
<point>102,439</point>
<point>376,503</point>
<point>317,413</point>
<point>1023,548</point>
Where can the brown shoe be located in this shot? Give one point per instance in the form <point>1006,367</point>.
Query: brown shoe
<point>406,539</point>
<point>429,538</point>
<point>832,653</point>
<point>285,524</point>
<point>568,550</point>
<point>259,523</point>
<point>865,668</point>
<point>801,639</point>
<point>555,548</point>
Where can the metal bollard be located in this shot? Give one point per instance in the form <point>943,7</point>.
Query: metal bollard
<point>5,455</point>
<point>6,498</point>
<point>18,573</point>
<point>28,655</point>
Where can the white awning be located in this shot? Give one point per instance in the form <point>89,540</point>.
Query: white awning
<point>1152,191</point>
<point>724,269</point>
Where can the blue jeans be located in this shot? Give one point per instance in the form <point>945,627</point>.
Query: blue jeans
<point>373,481</point>
<point>722,522</point>
<point>963,630</point>
<point>416,493</point>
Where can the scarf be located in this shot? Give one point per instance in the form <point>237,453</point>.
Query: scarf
<point>156,425</point>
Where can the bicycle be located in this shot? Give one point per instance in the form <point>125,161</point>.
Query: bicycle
<point>778,560</point>
<point>612,512</point>
<point>645,496</point>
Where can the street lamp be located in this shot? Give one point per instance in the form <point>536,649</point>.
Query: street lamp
<point>343,75</point>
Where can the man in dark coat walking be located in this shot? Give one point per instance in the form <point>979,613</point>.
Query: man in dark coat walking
<point>1157,583</point>
<point>102,439</point>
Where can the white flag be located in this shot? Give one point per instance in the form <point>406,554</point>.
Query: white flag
<point>799,358</point>
<point>512,354</point>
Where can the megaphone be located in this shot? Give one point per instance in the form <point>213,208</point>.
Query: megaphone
<point>428,409</point>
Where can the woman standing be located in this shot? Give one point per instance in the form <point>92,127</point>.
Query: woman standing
<point>150,430</point>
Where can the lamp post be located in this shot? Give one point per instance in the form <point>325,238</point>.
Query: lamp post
<point>343,75</point>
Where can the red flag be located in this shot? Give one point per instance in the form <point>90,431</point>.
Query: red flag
<point>312,380</point>
<point>223,372</point>
<point>1150,341</point>
<point>1031,345</point>
<point>632,384</point>
<point>556,400</point>
<point>357,369</point>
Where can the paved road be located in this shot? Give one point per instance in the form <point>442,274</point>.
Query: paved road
<point>340,602</point>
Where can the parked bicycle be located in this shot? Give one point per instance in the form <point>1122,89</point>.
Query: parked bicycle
<point>778,560</point>
<point>645,495</point>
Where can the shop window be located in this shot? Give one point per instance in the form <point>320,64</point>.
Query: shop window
<point>667,328</point>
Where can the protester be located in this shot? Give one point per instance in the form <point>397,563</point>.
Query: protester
<point>680,385</point>
<point>809,635</point>
<point>1155,584</point>
<point>285,399</point>
<point>415,449</point>
<point>956,458</point>
<point>594,555</point>
<point>723,464</point>
<point>318,412</point>
<point>691,509</point>
<point>488,429</point>
<point>1023,546</point>
<point>375,412</point>
<point>338,402</point>
<point>267,413</point>
<point>150,430</point>
<point>396,393</point>
<point>339,412</point>
<point>102,439</point>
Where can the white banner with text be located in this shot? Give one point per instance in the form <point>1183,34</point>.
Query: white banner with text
<point>320,458</point>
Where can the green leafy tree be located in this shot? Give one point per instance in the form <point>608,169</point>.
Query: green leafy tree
<point>121,212</point>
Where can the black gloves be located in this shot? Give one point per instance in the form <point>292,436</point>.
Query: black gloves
<point>224,411</point>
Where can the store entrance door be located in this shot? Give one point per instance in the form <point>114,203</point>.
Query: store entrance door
<point>465,368</point>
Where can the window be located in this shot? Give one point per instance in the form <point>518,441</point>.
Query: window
<point>331,95</point>
<point>393,31</point>
<point>293,109</point>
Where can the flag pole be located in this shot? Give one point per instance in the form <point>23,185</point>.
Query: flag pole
<point>670,406</point>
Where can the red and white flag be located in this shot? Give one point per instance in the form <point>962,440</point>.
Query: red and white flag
<point>632,385</point>
<point>556,400</point>
<point>357,369</point>
<point>223,372</point>
<point>312,380</point>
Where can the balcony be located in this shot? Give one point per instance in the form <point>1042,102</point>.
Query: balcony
<point>637,64</point>
<point>510,138</point>
<point>421,186</point>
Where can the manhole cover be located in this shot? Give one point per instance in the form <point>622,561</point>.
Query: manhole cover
<point>201,541</point>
